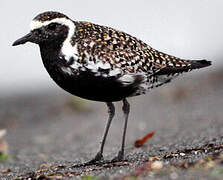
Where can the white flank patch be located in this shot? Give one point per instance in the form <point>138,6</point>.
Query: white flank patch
<point>67,70</point>
<point>95,66</point>
<point>115,72</point>
<point>106,66</point>
<point>67,49</point>
<point>127,79</point>
<point>102,65</point>
<point>91,66</point>
<point>76,65</point>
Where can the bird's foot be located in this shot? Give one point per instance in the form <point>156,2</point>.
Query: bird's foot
<point>118,158</point>
<point>97,160</point>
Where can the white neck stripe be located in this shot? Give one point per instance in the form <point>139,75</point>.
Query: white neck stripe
<point>67,49</point>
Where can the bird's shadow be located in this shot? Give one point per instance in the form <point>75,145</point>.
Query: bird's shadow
<point>103,163</point>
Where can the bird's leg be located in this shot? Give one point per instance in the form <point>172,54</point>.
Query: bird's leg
<point>126,109</point>
<point>99,155</point>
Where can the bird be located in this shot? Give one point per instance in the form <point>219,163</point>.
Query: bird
<point>100,63</point>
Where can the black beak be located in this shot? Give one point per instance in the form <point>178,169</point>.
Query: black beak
<point>27,38</point>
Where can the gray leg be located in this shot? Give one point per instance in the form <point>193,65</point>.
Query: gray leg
<point>126,109</point>
<point>111,112</point>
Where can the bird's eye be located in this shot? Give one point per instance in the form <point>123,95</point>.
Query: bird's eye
<point>52,26</point>
<point>38,31</point>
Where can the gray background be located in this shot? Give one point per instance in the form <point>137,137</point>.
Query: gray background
<point>187,29</point>
<point>45,125</point>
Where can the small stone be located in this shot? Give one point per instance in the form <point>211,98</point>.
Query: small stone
<point>41,171</point>
<point>44,165</point>
<point>3,147</point>
<point>2,133</point>
<point>61,166</point>
<point>153,158</point>
<point>69,175</point>
<point>195,152</point>
<point>157,165</point>
<point>182,154</point>
<point>5,171</point>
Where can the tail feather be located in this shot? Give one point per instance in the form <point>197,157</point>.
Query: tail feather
<point>189,65</point>
<point>199,64</point>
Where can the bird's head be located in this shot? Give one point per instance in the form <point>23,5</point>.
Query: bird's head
<point>48,27</point>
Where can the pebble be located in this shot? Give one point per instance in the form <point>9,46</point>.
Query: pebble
<point>157,165</point>
<point>182,154</point>
<point>3,147</point>
<point>2,132</point>
<point>5,171</point>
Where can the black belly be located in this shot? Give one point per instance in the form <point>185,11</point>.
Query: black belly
<point>87,85</point>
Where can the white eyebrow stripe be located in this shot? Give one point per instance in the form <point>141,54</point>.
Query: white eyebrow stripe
<point>38,24</point>
<point>67,49</point>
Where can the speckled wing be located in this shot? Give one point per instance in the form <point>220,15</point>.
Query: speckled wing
<point>120,51</point>
<point>117,48</point>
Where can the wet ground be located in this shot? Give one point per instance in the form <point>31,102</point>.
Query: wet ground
<point>50,132</point>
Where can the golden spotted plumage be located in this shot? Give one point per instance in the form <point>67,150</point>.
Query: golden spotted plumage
<point>121,50</point>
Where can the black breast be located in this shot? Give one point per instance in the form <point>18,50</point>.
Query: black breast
<point>84,83</point>
<point>89,86</point>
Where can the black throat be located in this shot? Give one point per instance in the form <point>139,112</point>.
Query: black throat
<point>50,53</point>
<point>53,61</point>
